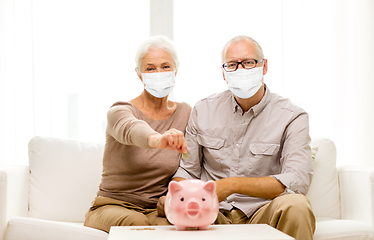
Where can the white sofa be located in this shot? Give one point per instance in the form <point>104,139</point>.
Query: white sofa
<point>48,199</point>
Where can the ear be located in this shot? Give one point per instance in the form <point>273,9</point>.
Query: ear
<point>223,73</point>
<point>175,74</point>
<point>174,187</point>
<point>265,66</point>
<point>210,187</point>
<point>139,74</point>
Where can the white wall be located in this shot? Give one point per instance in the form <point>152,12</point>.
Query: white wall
<point>63,63</point>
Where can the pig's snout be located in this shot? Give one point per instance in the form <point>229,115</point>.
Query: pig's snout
<point>193,209</point>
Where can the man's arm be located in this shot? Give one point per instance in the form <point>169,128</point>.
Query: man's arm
<point>296,157</point>
<point>262,187</point>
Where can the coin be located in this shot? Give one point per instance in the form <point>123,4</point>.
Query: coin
<point>185,155</point>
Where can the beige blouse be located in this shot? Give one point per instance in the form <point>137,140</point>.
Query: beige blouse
<point>132,171</point>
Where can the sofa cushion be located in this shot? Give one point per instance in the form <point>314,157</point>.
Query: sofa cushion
<point>324,189</point>
<point>333,229</point>
<point>64,178</point>
<point>37,229</point>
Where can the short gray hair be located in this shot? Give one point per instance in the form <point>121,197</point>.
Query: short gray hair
<point>238,39</point>
<point>160,42</point>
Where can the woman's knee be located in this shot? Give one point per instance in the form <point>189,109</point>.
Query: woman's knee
<point>128,218</point>
<point>106,216</point>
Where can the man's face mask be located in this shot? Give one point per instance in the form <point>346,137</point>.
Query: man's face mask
<point>244,83</point>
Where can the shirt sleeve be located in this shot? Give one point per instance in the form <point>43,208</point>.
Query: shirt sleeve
<point>126,128</point>
<point>190,168</point>
<point>296,158</point>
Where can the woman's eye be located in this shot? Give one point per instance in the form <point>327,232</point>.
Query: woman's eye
<point>182,199</point>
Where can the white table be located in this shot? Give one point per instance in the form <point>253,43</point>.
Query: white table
<point>215,232</point>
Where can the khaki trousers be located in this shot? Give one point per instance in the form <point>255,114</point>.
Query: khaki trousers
<point>290,213</point>
<point>106,212</point>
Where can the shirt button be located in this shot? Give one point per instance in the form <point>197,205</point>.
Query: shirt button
<point>237,145</point>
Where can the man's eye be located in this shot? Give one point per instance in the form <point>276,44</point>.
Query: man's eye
<point>230,65</point>
<point>249,62</point>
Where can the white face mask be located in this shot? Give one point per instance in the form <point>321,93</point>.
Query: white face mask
<point>244,83</point>
<point>159,84</point>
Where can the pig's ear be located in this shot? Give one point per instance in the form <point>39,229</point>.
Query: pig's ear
<point>210,187</point>
<point>174,187</point>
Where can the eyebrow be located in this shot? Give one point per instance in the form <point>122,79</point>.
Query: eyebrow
<point>152,64</point>
<point>241,60</point>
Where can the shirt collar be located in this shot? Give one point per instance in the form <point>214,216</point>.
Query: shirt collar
<point>235,105</point>
<point>256,108</point>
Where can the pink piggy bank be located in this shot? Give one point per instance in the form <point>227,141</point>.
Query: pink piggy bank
<point>191,204</point>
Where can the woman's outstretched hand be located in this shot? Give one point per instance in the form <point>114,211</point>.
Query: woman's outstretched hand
<point>172,139</point>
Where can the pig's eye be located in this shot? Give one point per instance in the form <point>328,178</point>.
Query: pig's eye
<point>203,199</point>
<point>182,199</point>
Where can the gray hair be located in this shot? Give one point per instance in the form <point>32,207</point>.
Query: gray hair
<point>238,39</point>
<point>161,42</point>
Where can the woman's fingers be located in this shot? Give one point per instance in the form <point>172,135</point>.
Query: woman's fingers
<point>176,140</point>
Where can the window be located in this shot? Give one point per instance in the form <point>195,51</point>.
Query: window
<point>202,37</point>
<point>65,62</point>
<point>84,62</point>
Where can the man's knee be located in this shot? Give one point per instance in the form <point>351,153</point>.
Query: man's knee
<point>294,203</point>
<point>297,209</point>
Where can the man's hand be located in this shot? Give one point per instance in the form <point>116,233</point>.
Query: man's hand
<point>160,207</point>
<point>223,188</point>
<point>172,139</point>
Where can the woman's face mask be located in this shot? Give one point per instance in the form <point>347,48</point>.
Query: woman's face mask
<point>159,84</point>
<point>244,83</point>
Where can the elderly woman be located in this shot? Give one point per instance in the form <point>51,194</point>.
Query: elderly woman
<point>144,142</point>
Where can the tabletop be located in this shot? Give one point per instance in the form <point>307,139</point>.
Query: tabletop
<point>215,232</point>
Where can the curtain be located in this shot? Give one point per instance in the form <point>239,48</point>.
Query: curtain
<point>16,81</point>
<point>320,55</point>
<point>329,47</point>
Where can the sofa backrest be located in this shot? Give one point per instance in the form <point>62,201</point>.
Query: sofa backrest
<point>64,177</point>
<point>324,193</point>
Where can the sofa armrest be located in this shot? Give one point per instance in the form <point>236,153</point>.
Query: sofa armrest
<point>14,187</point>
<point>357,193</point>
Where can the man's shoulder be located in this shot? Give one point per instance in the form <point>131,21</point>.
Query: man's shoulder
<point>285,104</point>
<point>215,98</point>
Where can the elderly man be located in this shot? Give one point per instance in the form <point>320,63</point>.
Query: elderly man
<point>255,145</point>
